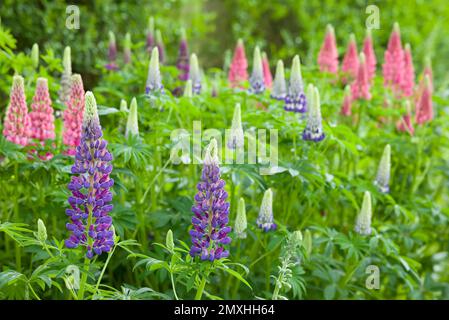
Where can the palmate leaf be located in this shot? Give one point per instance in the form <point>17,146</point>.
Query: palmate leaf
<point>133,151</point>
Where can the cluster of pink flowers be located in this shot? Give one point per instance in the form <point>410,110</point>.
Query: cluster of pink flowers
<point>238,69</point>
<point>41,115</point>
<point>73,115</point>
<point>328,56</point>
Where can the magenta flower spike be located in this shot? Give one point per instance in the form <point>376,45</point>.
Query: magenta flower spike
<point>346,108</point>
<point>350,63</point>
<point>112,53</point>
<point>183,58</point>
<point>267,77</point>
<point>361,85</point>
<point>370,55</point>
<point>408,73</point>
<point>328,55</point>
<point>394,61</point>
<point>238,69</point>
<point>90,186</point>
<point>41,116</point>
<point>16,127</point>
<point>73,115</point>
<point>424,108</point>
<point>211,211</point>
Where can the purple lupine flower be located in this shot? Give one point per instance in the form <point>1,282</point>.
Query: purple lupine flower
<point>90,205</point>
<point>183,58</point>
<point>296,99</point>
<point>112,53</point>
<point>210,220</point>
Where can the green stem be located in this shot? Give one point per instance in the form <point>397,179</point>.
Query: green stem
<point>103,271</point>
<point>154,180</point>
<point>199,292</point>
<point>84,279</point>
<point>173,286</point>
<point>17,217</point>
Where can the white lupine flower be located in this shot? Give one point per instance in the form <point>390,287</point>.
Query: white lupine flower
<point>265,218</point>
<point>240,220</point>
<point>195,74</point>
<point>363,222</point>
<point>256,80</point>
<point>154,83</point>
<point>237,139</point>
<point>383,172</point>
<point>279,90</point>
<point>132,126</point>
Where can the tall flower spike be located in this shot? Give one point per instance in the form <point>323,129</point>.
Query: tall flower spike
<point>195,74</point>
<point>123,106</point>
<point>150,35</point>
<point>132,126</point>
<point>210,212</point>
<point>296,99</point>
<point>361,86</point>
<point>183,57</point>
<point>363,222</point>
<point>314,129</point>
<point>383,172</point>
<point>267,77</point>
<point>237,70</point>
<point>265,219</point>
<point>408,73</point>
<point>160,46</point>
<point>405,123</point>
<point>370,55</point>
<point>64,91</point>
<point>127,49</point>
<point>41,116</point>
<point>328,56</point>
<point>393,61</point>
<point>16,127</point>
<point>236,139</point>
<point>154,83</point>
<point>346,108</point>
<point>188,92</point>
<point>73,115</point>
<point>112,53</point>
<point>257,80</point>
<point>424,108</point>
<point>35,55</point>
<point>90,223</point>
<point>350,63</point>
<point>279,91</point>
<point>240,220</point>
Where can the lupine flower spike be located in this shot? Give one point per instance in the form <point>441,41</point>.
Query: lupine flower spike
<point>361,86</point>
<point>257,78</point>
<point>408,73</point>
<point>132,126</point>
<point>150,35</point>
<point>314,129</point>
<point>296,100</point>
<point>90,223</point>
<point>35,55</point>
<point>195,74</point>
<point>64,91</point>
<point>160,46</point>
<point>236,139</point>
<point>188,89</point>
<point>370,55</point>
<point>383,172</point>
<point>127,49</point>
<point>183,57</point>
<point>16,127</point>
<point>210,220</point>
<point>154,83</point>
<point>73,115</point>
<point>240,220</point>
<point>123,106</point>
<point>405,123</point>
<point>112,53</point>
<point>237,70</point>
<point>346,108</point>
<point>328,56</point>
<point>393,61</point>
<point>350,63</point>
<point>267,77</point>
<point>279,91</point>
<point>41,117</point>
<point>363,222</point>
<point>424,108</point>
<point>265,219</point>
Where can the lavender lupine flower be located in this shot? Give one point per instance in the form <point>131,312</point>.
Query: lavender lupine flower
<point>64,91</point>
<point>195,74</point>
<point>160,46</point>
<point>150,34</point>
<point>383,172</point>
<point>279,91</point>
<point>363,222</point>
<point>127,49</point>
<point>257,80</point>
<point>183,57</point>
<point>296,99</point>
<point>132,126</point>
<point>154,83</point>
<point>240,220</point>
<point>90,223</point>
<point>236,139</point>
<point>210,221</point>
<point>314,129</point>
<point>112,53</point>
<point>265,219</point>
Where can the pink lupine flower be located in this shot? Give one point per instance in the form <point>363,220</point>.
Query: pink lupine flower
<point>426,72</point>
<point>394,61</point>
<point>408,73</point>
<point>41,115</point>
<point>16,127</point>
<point>361,85</point>
<point>370,55</point>
<point>350,61</point>
<point>346,108</point>
<point>238,68</point>
<point>73,115</point>
<point>424,109</point>
<point>405,123</point>
<point>328,56</point>
<point>267,77</point>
